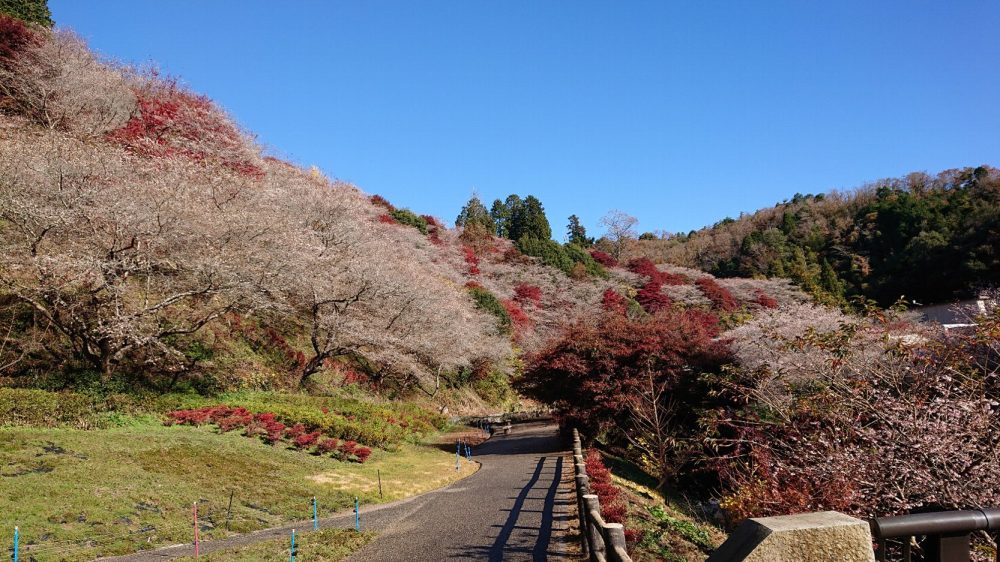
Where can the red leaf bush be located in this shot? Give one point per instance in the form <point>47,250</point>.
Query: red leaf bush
<point>612,301</point>
<point>652,298</point>
<point>765,300</point>
<point>645,267</point>
<point>524,292</point>
<point>603,258</point>
<point>15,36</point>
<point>266,427</point>
<point>471,259</point>
<point>173,121</point>
<point>613,507</point>
<point>720,296</point>
<point>382,202</point>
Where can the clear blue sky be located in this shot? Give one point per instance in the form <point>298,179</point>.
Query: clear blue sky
<point>677,112</point>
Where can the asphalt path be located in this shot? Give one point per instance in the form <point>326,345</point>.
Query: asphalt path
<point>517,506</point>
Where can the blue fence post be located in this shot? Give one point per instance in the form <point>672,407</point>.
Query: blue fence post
<point>293,546</point>
<point>17,539</point>
<point>357,515</point>
<point>468,452</point>
<point>315,515</point>
<point>458,448</point>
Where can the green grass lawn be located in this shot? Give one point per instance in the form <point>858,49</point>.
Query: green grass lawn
<point>326,545</point>
<point>78,494</point>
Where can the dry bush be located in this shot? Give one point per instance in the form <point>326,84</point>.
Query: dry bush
<point>59,83</point>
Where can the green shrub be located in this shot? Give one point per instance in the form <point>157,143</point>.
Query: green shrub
<point>409,218</point>
<point>560,256</point>
<point>21,406</point>
<point>487,301</point>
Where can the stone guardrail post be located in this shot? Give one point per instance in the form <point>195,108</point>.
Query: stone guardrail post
<point>805,537</point>
<point>601,541</point>
<point>595,532</point>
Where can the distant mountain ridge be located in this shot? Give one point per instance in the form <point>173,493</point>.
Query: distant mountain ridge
<point>920,237</point>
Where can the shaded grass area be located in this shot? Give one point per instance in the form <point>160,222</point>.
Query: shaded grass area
<point>79,494</point>
<point>669,527</point>
<point>326,545</point>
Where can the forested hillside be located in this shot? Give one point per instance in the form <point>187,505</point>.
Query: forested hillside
<point>926,238</point>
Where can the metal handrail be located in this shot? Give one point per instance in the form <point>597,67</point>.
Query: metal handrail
<point>947,533</point>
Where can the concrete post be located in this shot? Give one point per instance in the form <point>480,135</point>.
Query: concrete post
<point>592,507</point>
<point>806,537</point>
<point>615,533</point>
<point>582,488</point>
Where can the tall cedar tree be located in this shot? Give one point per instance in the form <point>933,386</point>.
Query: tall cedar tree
<point>577,234</point>
<point>474,212</point>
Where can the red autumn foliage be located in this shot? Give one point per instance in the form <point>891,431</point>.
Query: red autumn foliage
<point>14,36</point>
<point>382,202</point>
<point>603,258</point>
<point>474,285</point>
<point>524,292</point>
<point>362,453</point>
<point>613,302</point>
<point>386,218</point>
<point>720,296</point>
<point>613,507</point>
<point>295,431</point>
<point>652,298</point>
<point>521,321</point>
<point>172,121</point>
<point>306,440</point>
<point>645,267</point>
<point>765,300</point>
<point>471,259</point>
<point>590,372</point>
<point>327,446</point>
<point>348,447</point>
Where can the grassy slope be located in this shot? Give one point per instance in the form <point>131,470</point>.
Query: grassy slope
<point>77,494</point>
<point>668,530</point>
<point>326,545</point>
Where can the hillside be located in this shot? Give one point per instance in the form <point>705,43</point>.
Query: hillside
<point>926,238</point>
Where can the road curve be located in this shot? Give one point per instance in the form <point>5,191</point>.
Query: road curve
<point>516,507</point>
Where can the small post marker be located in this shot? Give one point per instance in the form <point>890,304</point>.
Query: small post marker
<point>315,515</point>
<point>468,452</point>
<point>17,539</point>
<point>229,510</point>
<point>357,516</point>
<point>194,512</point>
<point>379,472</point>
<point>292,550</point>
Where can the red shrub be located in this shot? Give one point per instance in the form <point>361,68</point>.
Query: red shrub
<point>474,285</point>
<point>348,447</point>
<point>14,36</point>
<point>327,446</point>
<point>613,508</point>
<point>603,258</point>
<point>644,266</point>
<point>472,259</point>
<point>362,453</point>
<point>306,440</point>
<point>431,221</point>
<point>652,298</point>
<point>382,202</point>
<point>720,296</point>
<point>611,301</point>
<point>765,300</point>
<point>385,218</point>
<point>524,292</point>
<point>295,431</point>
<point>172,121</point>
<point>521,321</point>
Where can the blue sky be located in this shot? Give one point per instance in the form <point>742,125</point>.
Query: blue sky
<point>677,112</point>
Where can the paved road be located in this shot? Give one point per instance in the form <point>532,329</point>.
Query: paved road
<point>513,508</point>
<point>516,507</point>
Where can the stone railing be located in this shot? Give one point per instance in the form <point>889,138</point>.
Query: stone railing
<point>601,541</point>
